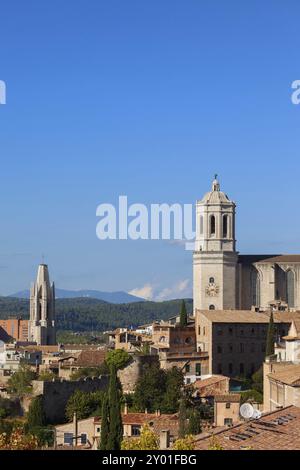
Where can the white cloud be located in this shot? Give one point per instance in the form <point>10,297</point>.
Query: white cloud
<point>146,292</point>
<point>178,290</point>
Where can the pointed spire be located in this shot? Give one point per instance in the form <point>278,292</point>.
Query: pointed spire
<point>216,184</point>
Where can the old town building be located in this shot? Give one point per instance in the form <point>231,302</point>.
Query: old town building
<point>224,279</point>
<point>236,340</point>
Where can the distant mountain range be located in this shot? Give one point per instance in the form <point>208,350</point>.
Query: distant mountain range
<point>111,297</point>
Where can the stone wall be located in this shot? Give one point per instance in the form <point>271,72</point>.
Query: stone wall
<point>130,374</point>
<point>56,394</point>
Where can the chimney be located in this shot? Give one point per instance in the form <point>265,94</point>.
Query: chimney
<point>164,439</point>
<point>125,408</point>
<point>146,411</point>
<point>157,412</point>
<point>75,429</point>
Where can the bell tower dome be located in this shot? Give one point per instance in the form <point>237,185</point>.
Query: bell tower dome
<point>215,221</point>
<point>215,257</point>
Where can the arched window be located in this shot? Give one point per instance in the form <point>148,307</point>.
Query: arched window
<point>212,225</point>
<point>225,226</point>
<point>211,280</point>
<point>201,224</point>
<point>255,287</point>
<point>290,288</point>
<point>212,307</point>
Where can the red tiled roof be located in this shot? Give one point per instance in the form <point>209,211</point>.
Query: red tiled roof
<point>91,358</point>
<point>214,379</point>
<point>230,397</point>
<point>278,430</point>
<point>156,422</point>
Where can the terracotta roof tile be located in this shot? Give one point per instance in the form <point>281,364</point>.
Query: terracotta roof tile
<point>214,379</point>
<point>228,398</point>
<point>278,430</point>
<point>248,316</point>
<point>290,375</point>
<point>91,358</point>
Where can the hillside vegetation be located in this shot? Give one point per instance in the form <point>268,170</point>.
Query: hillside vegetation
<point>85,314</point>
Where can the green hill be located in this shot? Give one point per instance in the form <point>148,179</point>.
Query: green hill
<point>86,314</point>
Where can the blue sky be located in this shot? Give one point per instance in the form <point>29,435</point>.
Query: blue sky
<point>148,99</point>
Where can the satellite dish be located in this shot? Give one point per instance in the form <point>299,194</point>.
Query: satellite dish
<point>257,414</point>
<point>247,411</point>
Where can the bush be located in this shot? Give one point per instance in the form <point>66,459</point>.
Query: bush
<point>18,440</point>
<point>8,408</point>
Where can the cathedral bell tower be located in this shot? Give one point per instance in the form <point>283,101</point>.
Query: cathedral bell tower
<point>215,257</point>
<point>42,309</point>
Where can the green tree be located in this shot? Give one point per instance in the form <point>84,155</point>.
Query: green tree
<point>47,376</point>
<point>185,443</point>
<point>251,395</point>
<point>182,432</point>
<point>270,337</point>
<point>257,381</point>
<point>104,424</point>
<point>148,440</point>
<point>19,384</point>
<point>115,419</point>
<point>118,358</point>
<point>150,389</point>
<point>143,349</point>
<point>90,372</point>
<point>84,404</point>
<point>183,315</point>
<point>194,426</point>
<point>174,381</point>
<point>36,415</point>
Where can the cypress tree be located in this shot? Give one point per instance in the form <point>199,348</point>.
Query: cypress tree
<point>182,419</point>
<point>36,415</point>
<point>183,315</point>
<point>115,419</point>
<point>194,423</point>
<point>104,424</point>
<point>270,337</point>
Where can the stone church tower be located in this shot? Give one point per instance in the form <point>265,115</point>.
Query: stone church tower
<point>215,259</point>
<point>42,309</point>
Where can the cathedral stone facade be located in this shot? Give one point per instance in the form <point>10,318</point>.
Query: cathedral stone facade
<point>224,279</point>
<point>42,309</point>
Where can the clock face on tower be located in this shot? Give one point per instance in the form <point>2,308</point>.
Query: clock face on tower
<point>212,290</point>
